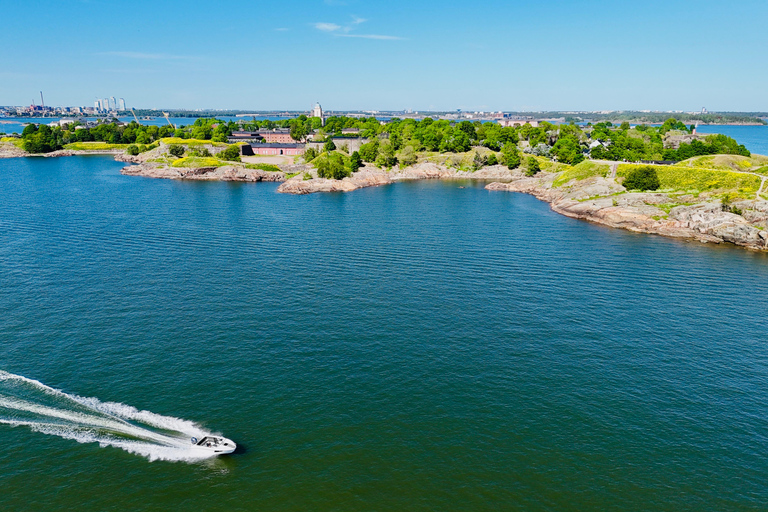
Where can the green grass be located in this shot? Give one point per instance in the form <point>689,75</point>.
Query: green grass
<point>93,146</point>
<point>192,142</point>
<point>693,179</point>
<point>582,171</point>
<point>726,162</point>
<point>198,161</point>
<point>264,167</point>
<point>19,143</point>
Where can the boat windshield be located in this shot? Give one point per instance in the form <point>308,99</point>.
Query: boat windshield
<point>208,441</point>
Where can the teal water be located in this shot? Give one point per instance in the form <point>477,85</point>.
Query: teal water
<point>413,347</point>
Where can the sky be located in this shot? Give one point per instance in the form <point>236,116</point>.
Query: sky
<point>484,55</point>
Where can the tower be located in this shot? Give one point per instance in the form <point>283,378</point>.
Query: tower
<point>318,112</point>
<point>121,104</point>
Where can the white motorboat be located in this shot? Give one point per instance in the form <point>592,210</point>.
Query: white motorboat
<point>214,445</point>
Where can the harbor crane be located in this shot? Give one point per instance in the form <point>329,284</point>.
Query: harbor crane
<point>169,121</point>
<point>134,116</point>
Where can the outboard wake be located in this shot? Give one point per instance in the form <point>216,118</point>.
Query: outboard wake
<point>27,402</point>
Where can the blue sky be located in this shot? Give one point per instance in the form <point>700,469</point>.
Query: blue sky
<point>394,54</point>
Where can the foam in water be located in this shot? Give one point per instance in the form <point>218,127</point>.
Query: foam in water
<point>27,402</point>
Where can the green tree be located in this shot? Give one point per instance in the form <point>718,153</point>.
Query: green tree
<point>493,159</point>
<point>310,154</point>
<point>232,153</point>
<point>355,162</point>
<point>642,178</point>
<point>176,150</point>
<point>299,130</point>
<point>370,151</point>
<point>510,156</point>
<point>332,166</point>
<point>132,150</point>
<point>329,146</point>
<point>407,156</point>
<point>386,158</point>
<point>533,167</point>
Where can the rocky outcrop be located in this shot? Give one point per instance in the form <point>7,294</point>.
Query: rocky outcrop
<point>224,173</point>
<point>361,179</point>
<point>593,200</point>
<point>9,150</point>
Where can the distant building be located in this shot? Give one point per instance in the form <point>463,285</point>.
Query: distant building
<point>121,104</point>
<point>272,149</point>
<point>105,103</point>
<point>243,136</point>
<point>278,135</point>
<point>113,101</point>
<point>350,131</point>
<point>518,122</point>
<point>97,105</point>
<point>317,111</point>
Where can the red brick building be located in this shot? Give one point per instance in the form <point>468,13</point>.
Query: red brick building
<point>268,149</point>
<point>278,135</point>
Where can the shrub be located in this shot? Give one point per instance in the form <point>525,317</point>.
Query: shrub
<point>510,156</point>
<point>202,152</point>
<point>492,160</point>
<point>176,150</point>
<point>642,178</point>
<point>132,150</point>
<point>355,162</point>
<point>533,167</point>
<point>329,146</point>
<point>310,154</point>
<point>232,153</point>
<point>369,151</point>
<point>332,166</point>
<point>408,156</point>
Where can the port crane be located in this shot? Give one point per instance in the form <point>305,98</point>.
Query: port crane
<point>169,121</point>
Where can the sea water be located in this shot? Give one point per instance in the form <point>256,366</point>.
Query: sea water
<point>418,346</point>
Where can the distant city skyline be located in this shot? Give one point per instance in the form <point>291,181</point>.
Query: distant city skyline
<point>489,56</point>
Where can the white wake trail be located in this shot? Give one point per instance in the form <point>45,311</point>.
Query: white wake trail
<point>30,403</point>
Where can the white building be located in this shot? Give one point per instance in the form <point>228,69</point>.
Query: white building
<point>121,104</point>
<point>318,112</point>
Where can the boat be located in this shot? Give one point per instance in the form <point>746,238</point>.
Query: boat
<point>214,445</point>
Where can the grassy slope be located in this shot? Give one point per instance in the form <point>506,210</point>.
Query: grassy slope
<point>686,178</point>
<point>582,171</point>
<point>192,142</point>
<point>197,161</point>
<point>93,146</point>
<point>13,140</point>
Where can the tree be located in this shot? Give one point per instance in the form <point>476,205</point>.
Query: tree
<point>370,151</point>
<point>329,146</point>
<point>132,150</point>
<point>232,153</point>
<point>299,130</point>
<point>355,162</point>
<point>492,159</point>
<point>533,167</point>
<point>510,156</point>
<point>386,156</point>
<point>642,178</point>
<point>332,166</point>
<point>310,154</point>
<point>176,150</point>
<point>407,156</point>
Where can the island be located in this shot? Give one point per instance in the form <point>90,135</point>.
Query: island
<point>667,180</point>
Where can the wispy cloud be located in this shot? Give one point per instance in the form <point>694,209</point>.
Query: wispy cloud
<point>327,27</point>
<point>347,30</point>
<point>373,36</point>
<point>145,56</point>
<point>281,29</point>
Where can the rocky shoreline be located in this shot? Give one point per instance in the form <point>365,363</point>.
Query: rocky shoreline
<point>600,200</point>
